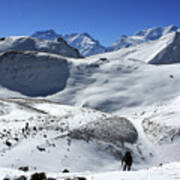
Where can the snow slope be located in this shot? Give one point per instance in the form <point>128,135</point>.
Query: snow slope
<point>142,37</point>
<point>22,43</point>
<point>118,85</point>
<point>52,137</point>
<point>166,172</point>
<point>162,51</point>
<point>48,137</point>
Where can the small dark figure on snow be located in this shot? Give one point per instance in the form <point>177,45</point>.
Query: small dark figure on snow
<point>127,161</point>
<point>27,126</point>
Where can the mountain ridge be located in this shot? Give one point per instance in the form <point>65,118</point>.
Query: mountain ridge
<point>82,41</point>
<point>88,46</point>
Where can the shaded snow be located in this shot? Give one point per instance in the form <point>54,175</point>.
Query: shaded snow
<point>33,74</point>
<point>22,43</point>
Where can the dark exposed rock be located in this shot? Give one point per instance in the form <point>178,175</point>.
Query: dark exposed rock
<point>16,139</point>
<point>81,178</point>
<point>2,38</point>
<point>21,178</point>
<point>103,59</point>
<point>65,171</point>
<point>38,176</point>
<point>40,148</point>
<point>24,168</point>
<point>9,144</point>
<point>76,178</point>
<point>34,128</point>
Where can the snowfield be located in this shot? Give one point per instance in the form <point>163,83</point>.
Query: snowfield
<point>58,112</point>
<point>166,172</point>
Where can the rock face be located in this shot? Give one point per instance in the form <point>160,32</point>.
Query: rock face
<point>170,54</point>
<point>32,73</point>
<point>38,176</point>
<point>23,43</point>
<point>112,130</point>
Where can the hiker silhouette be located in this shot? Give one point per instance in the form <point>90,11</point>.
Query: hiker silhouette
<point>127,161</point>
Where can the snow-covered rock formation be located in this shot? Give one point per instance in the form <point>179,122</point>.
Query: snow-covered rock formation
<point>33,73</point>
<point>22,43</point>
<point>86,45</point>
<point>82,41</point>
<point>112,130</point>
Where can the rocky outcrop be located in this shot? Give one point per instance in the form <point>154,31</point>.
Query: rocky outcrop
<point>24,43</point>
<point>112,130</point>
<point>33,73</point>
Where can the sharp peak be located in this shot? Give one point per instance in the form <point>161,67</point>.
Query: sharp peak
<point>83,33</point>
<point>52,31</point>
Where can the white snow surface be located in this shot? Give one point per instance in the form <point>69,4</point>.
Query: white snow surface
<point>53,122</point>
<point>143,52</point>
<point>166,172</point>
<point>120,84</point>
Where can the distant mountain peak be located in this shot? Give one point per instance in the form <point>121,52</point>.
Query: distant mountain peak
<point>50,31</point>
<point>82,41</point>
<point>88,46</point>
<point>142,36</point>
<point>46,34</point>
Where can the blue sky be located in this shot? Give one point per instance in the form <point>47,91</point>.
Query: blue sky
<point>105,20</point>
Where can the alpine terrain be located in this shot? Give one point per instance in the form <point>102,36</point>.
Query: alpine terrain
<point>60,112</point>
<point>82,41</point>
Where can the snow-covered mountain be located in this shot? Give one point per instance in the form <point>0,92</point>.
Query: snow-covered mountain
<point>87,46</point>
<point>115,101</point>
<point>142,36</point>
<point>22,43</point>
<point>90,82</point>
<point>82,41</point>
<point>161,51</point>
<point>47,34</point>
